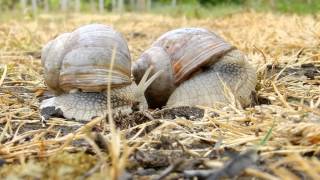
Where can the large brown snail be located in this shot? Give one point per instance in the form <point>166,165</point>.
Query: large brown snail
<point>200,68</point>
<point>78,68</point>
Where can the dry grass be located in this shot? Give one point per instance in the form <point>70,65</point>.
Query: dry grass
<point>292,119</point>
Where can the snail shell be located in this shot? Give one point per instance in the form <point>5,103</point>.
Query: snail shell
<point>199,67</point>
<point>77,68</point>
<point>81,60</point>
<point>50,60</point>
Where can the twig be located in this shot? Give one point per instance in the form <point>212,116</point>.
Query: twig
<point>169,169</point>
<point>3,74</point>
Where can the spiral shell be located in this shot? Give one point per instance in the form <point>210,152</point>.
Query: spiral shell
<point>82,59</point>
<point>191,48</point>
<point>180,53</point>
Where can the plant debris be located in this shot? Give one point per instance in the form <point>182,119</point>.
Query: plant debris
<point>206,142</point>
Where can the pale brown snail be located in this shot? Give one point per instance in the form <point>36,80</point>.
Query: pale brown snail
<point>77,68</point>
<point>200,68</point>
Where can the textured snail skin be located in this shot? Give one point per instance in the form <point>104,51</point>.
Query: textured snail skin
<point>232,73</point>
<point>83,106</point>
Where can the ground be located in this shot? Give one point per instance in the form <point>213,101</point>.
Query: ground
<point>277,137</point>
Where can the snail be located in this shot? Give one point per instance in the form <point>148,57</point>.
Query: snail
<point>200,68</point>
<point>78,68</point>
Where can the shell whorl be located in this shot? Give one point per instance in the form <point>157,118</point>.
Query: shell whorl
<point>191,48</point>
<point>81,60</point>
<point>50,60</point>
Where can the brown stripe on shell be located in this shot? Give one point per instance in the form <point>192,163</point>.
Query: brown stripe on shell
<point>190,49</point>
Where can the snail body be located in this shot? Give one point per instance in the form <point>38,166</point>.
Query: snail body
<point>200,68</point>
<point>78,68</point>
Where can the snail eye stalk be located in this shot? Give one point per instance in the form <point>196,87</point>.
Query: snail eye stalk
<point>144,83</point>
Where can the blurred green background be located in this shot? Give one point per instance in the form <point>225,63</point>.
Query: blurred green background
<point>189,8</point>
